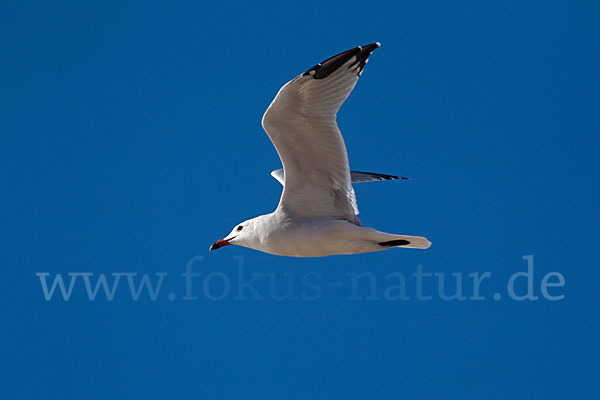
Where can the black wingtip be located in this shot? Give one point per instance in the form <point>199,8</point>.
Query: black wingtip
<point>327,67</point>
<point>382,177</point>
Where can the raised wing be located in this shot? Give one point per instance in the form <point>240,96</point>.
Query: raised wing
<point>355,176</point>
<point>301,123</point>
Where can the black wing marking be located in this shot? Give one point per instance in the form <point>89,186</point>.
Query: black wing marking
<point>324,69</point>
<point>359,176</point>
<point>356,176</point>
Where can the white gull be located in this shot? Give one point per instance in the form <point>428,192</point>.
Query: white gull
<point>317,212</point>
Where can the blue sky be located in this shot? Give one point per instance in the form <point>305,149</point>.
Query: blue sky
<point>131,141</point>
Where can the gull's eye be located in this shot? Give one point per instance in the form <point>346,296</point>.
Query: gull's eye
<point>239,228</point>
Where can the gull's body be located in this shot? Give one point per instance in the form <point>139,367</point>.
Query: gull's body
<point>317,213</point>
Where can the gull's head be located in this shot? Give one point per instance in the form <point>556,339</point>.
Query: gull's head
<point>243,234</point>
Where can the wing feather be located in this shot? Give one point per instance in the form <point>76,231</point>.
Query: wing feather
<point>356,176</point>
<point>301,123</point>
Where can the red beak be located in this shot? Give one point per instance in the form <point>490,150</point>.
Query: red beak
<point>220,243</point>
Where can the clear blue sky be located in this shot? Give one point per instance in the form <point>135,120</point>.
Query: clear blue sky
<point>131,141</point>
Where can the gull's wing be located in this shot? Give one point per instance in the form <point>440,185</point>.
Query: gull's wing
<point>301,123</point>
<point>355,176</point>
<point>358,177</point>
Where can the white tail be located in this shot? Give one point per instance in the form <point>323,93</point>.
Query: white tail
<point>412,242</point>
<point>391,240</point>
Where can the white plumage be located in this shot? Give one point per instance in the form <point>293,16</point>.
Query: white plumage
<point>317,212</point>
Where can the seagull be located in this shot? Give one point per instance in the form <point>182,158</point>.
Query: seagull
<point>317,212</point>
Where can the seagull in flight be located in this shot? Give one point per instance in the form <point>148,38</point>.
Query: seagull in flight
<point>317,212</point>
